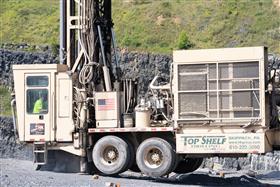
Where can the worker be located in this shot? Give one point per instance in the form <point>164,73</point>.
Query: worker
<point>39,104</point>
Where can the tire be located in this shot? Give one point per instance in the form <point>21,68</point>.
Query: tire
<point>37,167</point>
<point>133,165</point>
<point>155,148</point>
<point>134,168</point>
<point>175,155</point>
<point>188,165</point>
<point>91,168</point>
<point>198,163</point>
<point>132,155</point>
<point>111,155</point>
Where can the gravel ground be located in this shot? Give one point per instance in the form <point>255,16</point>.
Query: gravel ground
<point>19,173</point>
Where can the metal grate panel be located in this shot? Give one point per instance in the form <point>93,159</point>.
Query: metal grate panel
<point>219,90</point>
<point>193,82</point>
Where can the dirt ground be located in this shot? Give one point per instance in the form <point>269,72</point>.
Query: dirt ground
<point>17,173</point>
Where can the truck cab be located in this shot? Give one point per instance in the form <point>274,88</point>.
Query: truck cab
<point>47,85</point>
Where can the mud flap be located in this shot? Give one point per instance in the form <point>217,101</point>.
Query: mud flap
<point>61,161</point>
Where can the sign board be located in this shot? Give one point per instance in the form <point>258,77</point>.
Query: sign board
<point>37,129</point>
<point>107,110</point>
<point>221,143</point>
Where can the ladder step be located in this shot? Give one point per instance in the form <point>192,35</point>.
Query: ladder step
<point>40,163</point>
<point>39,151</point>
<point>37,147</point>
<point>39,143</point>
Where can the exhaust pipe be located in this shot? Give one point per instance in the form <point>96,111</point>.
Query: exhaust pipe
<point>62,37</point>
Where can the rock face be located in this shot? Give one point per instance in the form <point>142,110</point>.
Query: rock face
<point>27,47</point>
<point>9,147</point>
<point>268,162</point>
<point>144,67</point>
<point>10,57</point>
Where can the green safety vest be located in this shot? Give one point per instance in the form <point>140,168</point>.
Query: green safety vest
<point>38,106</point>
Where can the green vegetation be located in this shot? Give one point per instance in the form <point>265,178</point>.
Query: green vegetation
<point>29,21</point>
<point>183,41</point>
<point>155,25</point>
<point>5,100</point>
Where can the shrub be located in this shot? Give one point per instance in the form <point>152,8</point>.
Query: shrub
<point>183,41</point>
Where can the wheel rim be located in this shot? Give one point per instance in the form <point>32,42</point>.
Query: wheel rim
<point>153,157</point>
<point>110,155</point>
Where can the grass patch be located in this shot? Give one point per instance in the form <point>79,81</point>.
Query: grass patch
<point>29,21</point>
<point>5,100</point>
<point>155,25</point>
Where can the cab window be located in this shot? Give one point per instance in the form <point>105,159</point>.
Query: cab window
<point>37,81</point>
<point>37,94</point>
<point>37,101</point>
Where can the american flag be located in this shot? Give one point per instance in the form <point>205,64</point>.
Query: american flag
<point>106,104</point>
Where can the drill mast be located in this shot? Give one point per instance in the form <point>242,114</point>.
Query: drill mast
<point>86,39</point>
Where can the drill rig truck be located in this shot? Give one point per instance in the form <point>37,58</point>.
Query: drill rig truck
<point>218,102</point>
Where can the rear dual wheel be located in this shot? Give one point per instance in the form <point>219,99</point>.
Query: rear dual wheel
<point>156,157</point>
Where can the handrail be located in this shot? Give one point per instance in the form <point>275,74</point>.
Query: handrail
<point>15,125</point>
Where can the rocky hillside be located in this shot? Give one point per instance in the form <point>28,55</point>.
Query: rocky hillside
<point>142,66</point>
<point>153,25</point>
<point>10,57</point>
<point>9,147</point>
